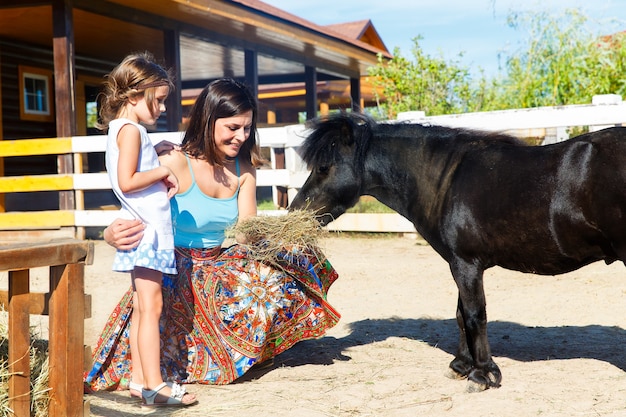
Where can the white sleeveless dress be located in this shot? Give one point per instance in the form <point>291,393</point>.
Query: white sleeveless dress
<point>151,205</point>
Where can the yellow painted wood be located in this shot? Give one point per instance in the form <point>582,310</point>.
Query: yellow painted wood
<point>51,219</point>
<point>36,183</point>
<point>24,147</point>
<point>2,200</point>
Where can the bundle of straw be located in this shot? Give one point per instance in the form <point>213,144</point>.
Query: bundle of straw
<point>39,372</point>
<point>265,237</point>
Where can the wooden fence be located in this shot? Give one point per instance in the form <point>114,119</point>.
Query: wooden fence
<point>79,182</point>
<point>549,123</point>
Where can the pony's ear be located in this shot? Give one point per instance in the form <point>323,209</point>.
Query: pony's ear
<point>349,125</point>
<point>346,135</point>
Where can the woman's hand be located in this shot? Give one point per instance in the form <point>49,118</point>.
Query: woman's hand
<point>124,234</point>
<point>165,146</point>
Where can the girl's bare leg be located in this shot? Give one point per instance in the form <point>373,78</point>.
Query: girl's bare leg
<point>148,289</point>
<point>135,366</point>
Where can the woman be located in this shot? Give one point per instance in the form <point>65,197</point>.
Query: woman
<point>223,312</point>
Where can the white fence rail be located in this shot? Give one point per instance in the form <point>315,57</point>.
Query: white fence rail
<point>551,123</point>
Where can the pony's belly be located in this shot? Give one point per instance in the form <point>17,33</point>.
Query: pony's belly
<point>549,266</point>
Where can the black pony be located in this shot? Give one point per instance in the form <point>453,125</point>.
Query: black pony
<point>479,199</point>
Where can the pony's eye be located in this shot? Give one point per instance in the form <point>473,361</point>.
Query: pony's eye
<point>323,169</point>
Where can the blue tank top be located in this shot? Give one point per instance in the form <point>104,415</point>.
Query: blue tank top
<point>199,220</point>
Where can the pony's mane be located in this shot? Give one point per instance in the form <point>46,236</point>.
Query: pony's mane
<point>322,146</point>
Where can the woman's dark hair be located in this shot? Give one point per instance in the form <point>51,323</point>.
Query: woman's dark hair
<point>221,98</point>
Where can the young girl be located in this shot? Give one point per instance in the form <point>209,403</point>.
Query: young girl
<point>134,94</point>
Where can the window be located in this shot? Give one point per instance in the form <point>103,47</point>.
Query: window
<point>92,114</point>
<point>35,94</point>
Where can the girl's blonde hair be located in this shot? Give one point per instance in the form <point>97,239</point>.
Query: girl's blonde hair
<point>137,74</point>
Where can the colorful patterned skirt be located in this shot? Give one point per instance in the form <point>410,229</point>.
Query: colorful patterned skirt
<point>222,313</point>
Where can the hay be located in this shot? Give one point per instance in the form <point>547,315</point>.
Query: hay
<point>39,372</point>
<point>265,237</point>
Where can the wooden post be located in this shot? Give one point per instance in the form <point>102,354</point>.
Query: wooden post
<point>64,88</point>
<point>282,199</point>
<point>271,116</point>
<point>324,108</point>
<point>19,342</point>
<point>2,199</point>
<point>310,83</point>
<point>66,260</point>
<point>251,66</point>
<point>174,112</point>
<point>355,94</point>
<point>67,346</point>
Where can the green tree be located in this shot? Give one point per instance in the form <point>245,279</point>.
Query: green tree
<point>610,66</point>
<point>426,83</point>
<point>563,62</point>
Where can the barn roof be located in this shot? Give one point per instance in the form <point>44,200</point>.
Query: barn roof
<point>213,36</point>
<point>361,30</point>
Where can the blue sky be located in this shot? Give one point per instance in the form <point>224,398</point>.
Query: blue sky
<point>477,28</point>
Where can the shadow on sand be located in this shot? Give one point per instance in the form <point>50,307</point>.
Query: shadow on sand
<point>507,339</point>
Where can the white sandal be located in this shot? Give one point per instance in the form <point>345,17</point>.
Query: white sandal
<point>175,399</point>
<point>133,386</point>
<point>139,388</point>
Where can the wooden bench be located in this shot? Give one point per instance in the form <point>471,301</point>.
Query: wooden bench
<point>67,259</point>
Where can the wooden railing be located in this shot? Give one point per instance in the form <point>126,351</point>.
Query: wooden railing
<point>67,307</point>
<point>550,123</point>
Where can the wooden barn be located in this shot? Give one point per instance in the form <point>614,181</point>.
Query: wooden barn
<point>54,54</point>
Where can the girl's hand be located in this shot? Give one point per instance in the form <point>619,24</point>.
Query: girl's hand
<point>172,184</point>
<point>124,234</point>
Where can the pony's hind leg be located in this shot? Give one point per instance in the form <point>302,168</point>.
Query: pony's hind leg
<point>474,352</point>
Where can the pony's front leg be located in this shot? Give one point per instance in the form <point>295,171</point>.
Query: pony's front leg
<point>462,364</point>
<point>474,354</point>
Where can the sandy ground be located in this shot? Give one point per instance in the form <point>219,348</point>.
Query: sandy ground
<point>560,343</point>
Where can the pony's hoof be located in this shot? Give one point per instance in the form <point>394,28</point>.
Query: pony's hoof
<point>479,381</point>
<point>473,386</point>
<point>452,374</point>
